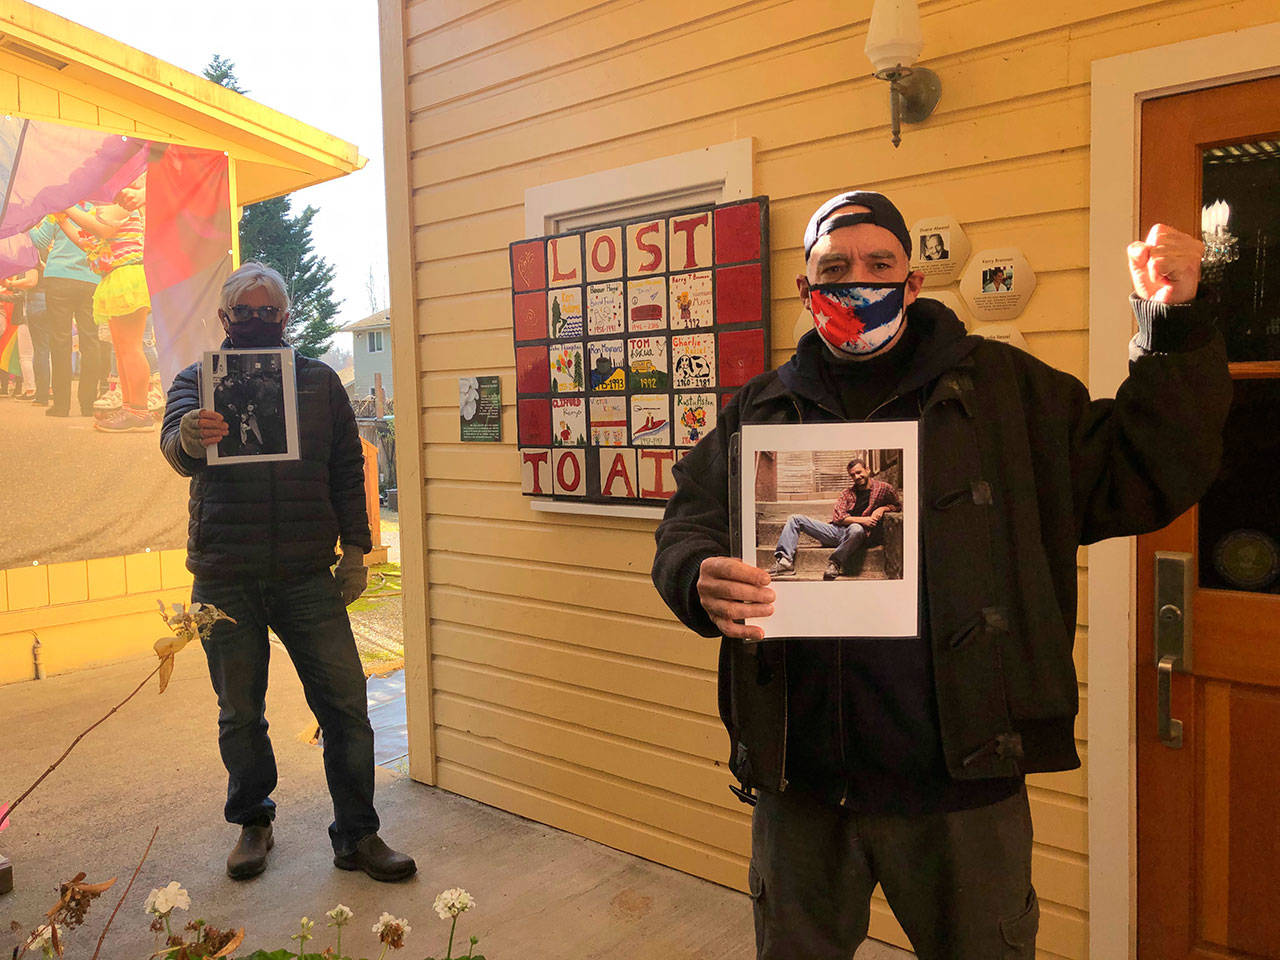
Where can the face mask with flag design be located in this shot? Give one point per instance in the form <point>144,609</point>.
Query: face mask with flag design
<point>858,319</point>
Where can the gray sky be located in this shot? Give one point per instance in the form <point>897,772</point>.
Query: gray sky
<point>316,60</point>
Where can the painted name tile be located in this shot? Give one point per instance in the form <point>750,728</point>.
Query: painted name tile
<point>694,417</point>
<point>693,361</point>
<point>647,363</point>
<point>567,373</point>
<point>651,420</point>
<point>608,366</point>
<point>569,421</point>
<point>608,421</point>
<point>691,304</point>
<point>564,308</point>
<point>647,304</point>
<point>605,309</point>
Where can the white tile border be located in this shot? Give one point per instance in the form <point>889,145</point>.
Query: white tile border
<point>1118,87</point>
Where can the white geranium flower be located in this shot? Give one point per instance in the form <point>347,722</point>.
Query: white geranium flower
<point>452,902</point>
<point>339,915</point>
<point>163,902</point>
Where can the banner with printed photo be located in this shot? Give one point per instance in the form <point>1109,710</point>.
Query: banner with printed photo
<point>113,250</point>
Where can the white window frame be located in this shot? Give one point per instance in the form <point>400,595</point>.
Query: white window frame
<point>381,342</point>
<point>716,174</point>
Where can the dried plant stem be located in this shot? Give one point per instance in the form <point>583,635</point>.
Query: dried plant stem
<point>126,889</point>
<point>14,806</point>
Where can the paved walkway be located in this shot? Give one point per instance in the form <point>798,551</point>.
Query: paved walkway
<point>541,894</point>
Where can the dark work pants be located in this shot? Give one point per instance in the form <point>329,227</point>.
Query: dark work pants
<point>66,300</point>
<point>308,616</point>
<point>959,883</point>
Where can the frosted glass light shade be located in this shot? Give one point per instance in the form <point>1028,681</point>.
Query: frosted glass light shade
<point>894,36</point>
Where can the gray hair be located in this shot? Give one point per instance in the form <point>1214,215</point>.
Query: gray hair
<point>252,276</point>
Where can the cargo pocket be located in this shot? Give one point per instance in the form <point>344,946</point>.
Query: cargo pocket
<point>1019,932</point>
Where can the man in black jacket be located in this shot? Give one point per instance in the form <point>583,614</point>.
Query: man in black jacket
<point>261,541</point>
<point>901,761</point>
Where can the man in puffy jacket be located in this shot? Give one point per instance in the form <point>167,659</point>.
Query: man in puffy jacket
<point>261,542</point>
<point>901,760</point>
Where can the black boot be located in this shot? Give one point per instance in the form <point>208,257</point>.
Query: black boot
<point>249,858</point>
<point>376,859</point>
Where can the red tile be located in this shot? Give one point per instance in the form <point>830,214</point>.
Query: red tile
<point>533,374</point>
<point>737,233</point>
<point>529,265</point>
<point>738,293</point>
<point>741,356</point>
<point>534,420</point>
<point>530,311</point>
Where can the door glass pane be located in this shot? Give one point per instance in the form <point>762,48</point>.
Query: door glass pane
<point>1240,515</point>
<point>1241,219</point>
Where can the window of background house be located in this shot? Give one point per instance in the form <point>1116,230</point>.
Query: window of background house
<point>375,341</point>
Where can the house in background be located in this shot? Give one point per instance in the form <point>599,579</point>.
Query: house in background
<point>371,353</point>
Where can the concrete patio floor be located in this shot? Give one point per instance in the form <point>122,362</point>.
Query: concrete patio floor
<point>540,893</point>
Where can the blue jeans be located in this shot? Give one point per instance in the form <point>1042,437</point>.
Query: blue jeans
<point>847,540</point>
<point>308,616</point>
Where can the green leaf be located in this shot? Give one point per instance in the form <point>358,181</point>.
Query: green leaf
<point>280,954</point>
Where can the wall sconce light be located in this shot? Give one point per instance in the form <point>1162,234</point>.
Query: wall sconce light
<point>894,41</point>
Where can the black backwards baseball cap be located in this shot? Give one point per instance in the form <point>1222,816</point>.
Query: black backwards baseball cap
<point>882,213</point>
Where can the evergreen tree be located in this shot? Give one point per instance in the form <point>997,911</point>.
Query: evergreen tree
<point>223,72</point>
<point>270,234</point>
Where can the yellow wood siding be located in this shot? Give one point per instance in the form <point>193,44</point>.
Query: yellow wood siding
<point>562,688</point>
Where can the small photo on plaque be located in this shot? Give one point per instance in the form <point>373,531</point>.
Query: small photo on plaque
<point>256,393</point>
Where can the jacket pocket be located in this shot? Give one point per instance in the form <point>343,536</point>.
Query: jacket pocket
<point>977,732</point>
<point>1019,932</point>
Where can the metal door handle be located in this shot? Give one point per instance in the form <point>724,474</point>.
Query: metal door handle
<point>1169,729</point>
<point>1174,591</point>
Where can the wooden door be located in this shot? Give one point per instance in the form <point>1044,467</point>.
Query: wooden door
<point>1209,811</point>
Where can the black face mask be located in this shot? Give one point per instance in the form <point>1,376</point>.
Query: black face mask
<point>253,331</point>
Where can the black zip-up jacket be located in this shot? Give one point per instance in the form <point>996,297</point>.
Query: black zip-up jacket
<point>1018,469</point>
<point>281,518</point>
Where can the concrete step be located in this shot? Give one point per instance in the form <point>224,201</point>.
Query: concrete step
<point>812,560</point>
<point>779,510</point>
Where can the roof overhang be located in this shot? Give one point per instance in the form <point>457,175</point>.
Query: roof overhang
<point>274,153</point>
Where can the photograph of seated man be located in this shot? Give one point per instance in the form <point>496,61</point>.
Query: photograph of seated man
<point>857,523</point>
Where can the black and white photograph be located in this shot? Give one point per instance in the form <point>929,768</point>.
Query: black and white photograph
<point>934,245</point>
<point>255,392</point>
<point>829,510</point>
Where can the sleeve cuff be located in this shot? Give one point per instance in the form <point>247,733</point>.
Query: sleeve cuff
<point>1171,327</point>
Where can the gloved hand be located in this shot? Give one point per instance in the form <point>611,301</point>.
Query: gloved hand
<point>351,576</point>
<point>200,429</point>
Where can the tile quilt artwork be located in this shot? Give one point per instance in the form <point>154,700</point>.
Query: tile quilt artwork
<point>629,338</point>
